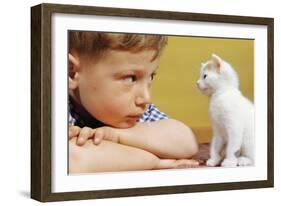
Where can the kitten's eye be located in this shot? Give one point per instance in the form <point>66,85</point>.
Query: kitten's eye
<point>205,75</point>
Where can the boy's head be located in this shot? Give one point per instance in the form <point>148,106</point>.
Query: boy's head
<point>96,44</point>
<point>110,74</point>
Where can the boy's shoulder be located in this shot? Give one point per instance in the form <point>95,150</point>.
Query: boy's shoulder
<point>151,114</point>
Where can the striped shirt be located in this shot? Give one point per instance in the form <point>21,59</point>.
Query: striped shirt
<point>152,114</point>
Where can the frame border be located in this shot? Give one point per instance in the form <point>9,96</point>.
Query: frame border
<point>41,101</point>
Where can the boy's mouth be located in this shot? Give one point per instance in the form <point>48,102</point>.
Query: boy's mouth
<point>134,116</point>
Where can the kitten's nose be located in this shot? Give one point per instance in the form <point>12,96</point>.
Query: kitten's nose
<point>198,84</point>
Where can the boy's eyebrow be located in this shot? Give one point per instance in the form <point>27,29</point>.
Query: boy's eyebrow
<point>135,70</point>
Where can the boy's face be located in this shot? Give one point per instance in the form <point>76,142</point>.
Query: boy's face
<point>116,89</point>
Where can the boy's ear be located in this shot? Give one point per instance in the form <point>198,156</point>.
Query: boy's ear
<point>73,71</point>
<point>217,62</point>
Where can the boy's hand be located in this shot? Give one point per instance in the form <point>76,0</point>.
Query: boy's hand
<point>186,163</point>
<point>85,133</point>
<point>73,131</point>
<point>175,164</point>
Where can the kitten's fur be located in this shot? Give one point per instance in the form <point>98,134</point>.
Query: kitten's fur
<point>232,115</point>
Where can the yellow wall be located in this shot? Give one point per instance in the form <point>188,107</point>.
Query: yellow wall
<point>174,89</point>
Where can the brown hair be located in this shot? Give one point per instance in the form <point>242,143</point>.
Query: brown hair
<point>97,43</point>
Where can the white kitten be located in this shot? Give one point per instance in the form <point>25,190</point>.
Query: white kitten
<point>232,115</point>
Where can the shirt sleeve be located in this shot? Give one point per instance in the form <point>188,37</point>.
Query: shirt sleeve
<point>152,114</point>
<point>71,120</point>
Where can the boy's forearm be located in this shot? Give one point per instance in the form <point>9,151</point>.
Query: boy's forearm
<point>165,138</point>
<point>107,157</point>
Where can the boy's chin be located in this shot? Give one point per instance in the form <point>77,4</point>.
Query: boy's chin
<point>125,124</point>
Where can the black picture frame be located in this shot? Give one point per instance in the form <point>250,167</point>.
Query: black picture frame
<point>41,117</point>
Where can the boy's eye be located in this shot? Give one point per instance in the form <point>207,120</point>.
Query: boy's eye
<point>205,75</point>
<point>130,78</point>
<point>152,76</point>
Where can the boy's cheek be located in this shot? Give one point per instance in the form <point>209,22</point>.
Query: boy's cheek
<point>121,104</point>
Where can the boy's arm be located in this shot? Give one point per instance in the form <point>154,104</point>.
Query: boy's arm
<point>165,138</point>
<point>108,156</point>
<point>112,157</point>
<point>169,139</point>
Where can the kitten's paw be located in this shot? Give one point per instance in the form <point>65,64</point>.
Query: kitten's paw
<point>212,162</point>
<point>244,161</point>
<point>229,162</point>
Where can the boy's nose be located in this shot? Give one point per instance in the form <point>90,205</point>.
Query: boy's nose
<point>143,98</point>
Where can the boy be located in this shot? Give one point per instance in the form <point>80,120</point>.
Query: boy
<point>110,76</point>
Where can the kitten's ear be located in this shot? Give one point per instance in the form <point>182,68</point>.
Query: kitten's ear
<point>217,62</point>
